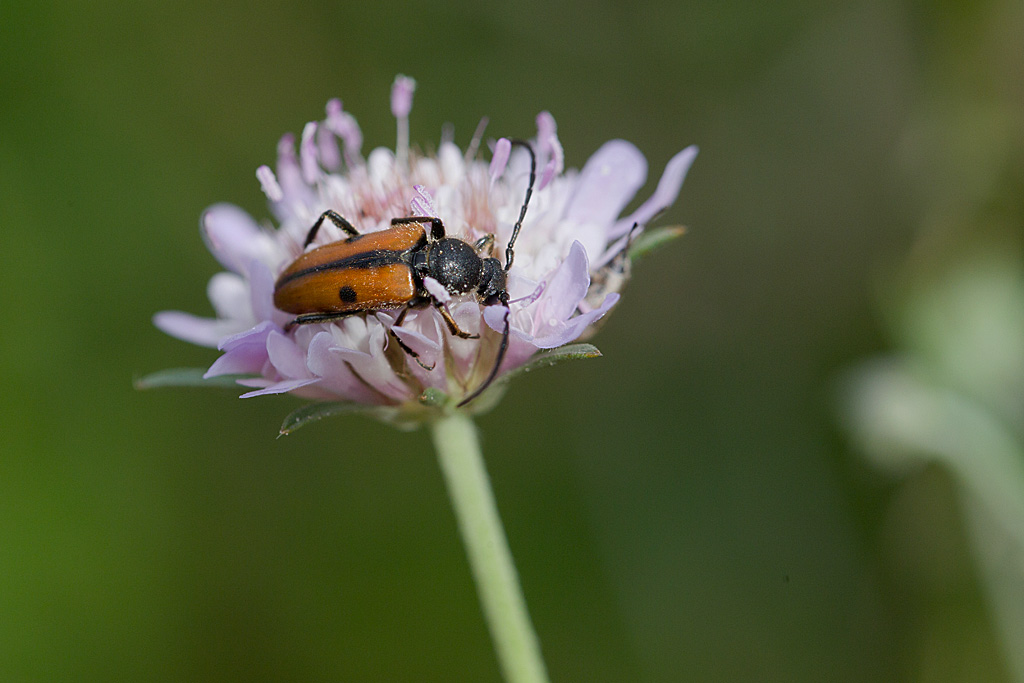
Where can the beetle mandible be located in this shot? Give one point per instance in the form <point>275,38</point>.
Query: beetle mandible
<point>384,270</point>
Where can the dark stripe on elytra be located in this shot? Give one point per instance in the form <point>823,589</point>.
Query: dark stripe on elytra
<point>378,258</point>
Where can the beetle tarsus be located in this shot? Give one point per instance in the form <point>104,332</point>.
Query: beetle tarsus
<point>453,326</point>
<point>412,354</point>
<point>402,345</point>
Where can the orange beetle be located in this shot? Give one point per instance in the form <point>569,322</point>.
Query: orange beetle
<point>384,271</point>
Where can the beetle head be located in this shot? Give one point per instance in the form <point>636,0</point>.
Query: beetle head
<point>492,281</point>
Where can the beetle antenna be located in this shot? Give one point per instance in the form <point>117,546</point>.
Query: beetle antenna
<point>503,295</point>
<point>497,360</point>
<point>509,255</point>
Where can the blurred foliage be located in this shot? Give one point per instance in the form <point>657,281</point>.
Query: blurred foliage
<point>950,397</point>
<point>681,509</point>
<point>953,396</point>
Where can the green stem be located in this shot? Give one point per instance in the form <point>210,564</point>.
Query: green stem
<point>497,583</point>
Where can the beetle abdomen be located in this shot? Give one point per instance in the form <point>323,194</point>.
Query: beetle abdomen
<point>383,286</point>
<point>364,273</point>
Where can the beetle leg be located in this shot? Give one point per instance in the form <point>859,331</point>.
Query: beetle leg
<point>335,218</point>
<point>436,226</point>
<point>427,300</point>
<point>498,358</point>
<point>484,243</point>
<point>415,356</point>
<point>618,263</point>
<point>453,326</point>
<point>309,318</point>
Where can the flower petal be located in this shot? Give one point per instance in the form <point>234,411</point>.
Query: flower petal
<point>262,283</point>
<point>452,163</point>
<point>282,387</point>
<point>195,330</point>
<point>229,294</point>
<point>436,290</point>
<point>308,154</point>
<point>286,356</point>
<point>423,335</point>
<point>327,149</point>
<point>573,328</point>
<point>494,316</point>
<point>610,178</point>
<point>257,334</point>
<point>269,184</point>
<point>417,341</point>
<point>337,376</point>
<point>549,150</point>
<point>297,194</point>
<point>499,158</point>
<point>344,125</point>
<point>547,140</point>
<point>244,353</point>
<point>371,365</point>
<point>566,288</point>
<point>234,238</point>
<point>665,195</point>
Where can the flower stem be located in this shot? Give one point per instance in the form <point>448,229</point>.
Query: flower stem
<point>458,450</point>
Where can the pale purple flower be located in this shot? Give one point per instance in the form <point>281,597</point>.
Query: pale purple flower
<point>566,274</point>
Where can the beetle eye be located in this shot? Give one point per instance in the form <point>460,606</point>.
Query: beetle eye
<point>492,279</point>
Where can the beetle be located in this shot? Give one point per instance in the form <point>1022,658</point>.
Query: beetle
<point>384,270</point>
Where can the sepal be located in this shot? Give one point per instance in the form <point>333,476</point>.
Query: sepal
<point>186,377</point>
<point>652,239</point>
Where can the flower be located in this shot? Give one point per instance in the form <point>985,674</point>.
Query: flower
<point>569,260</point>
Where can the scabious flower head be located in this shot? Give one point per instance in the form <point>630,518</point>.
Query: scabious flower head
<point>568,267</point>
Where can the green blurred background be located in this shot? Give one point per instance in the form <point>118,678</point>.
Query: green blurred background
<point>686,508</point>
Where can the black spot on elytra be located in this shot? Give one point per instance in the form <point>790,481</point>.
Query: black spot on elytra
<point>347,294</point>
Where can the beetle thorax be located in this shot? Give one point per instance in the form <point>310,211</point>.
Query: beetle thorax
<point>454,264</point>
